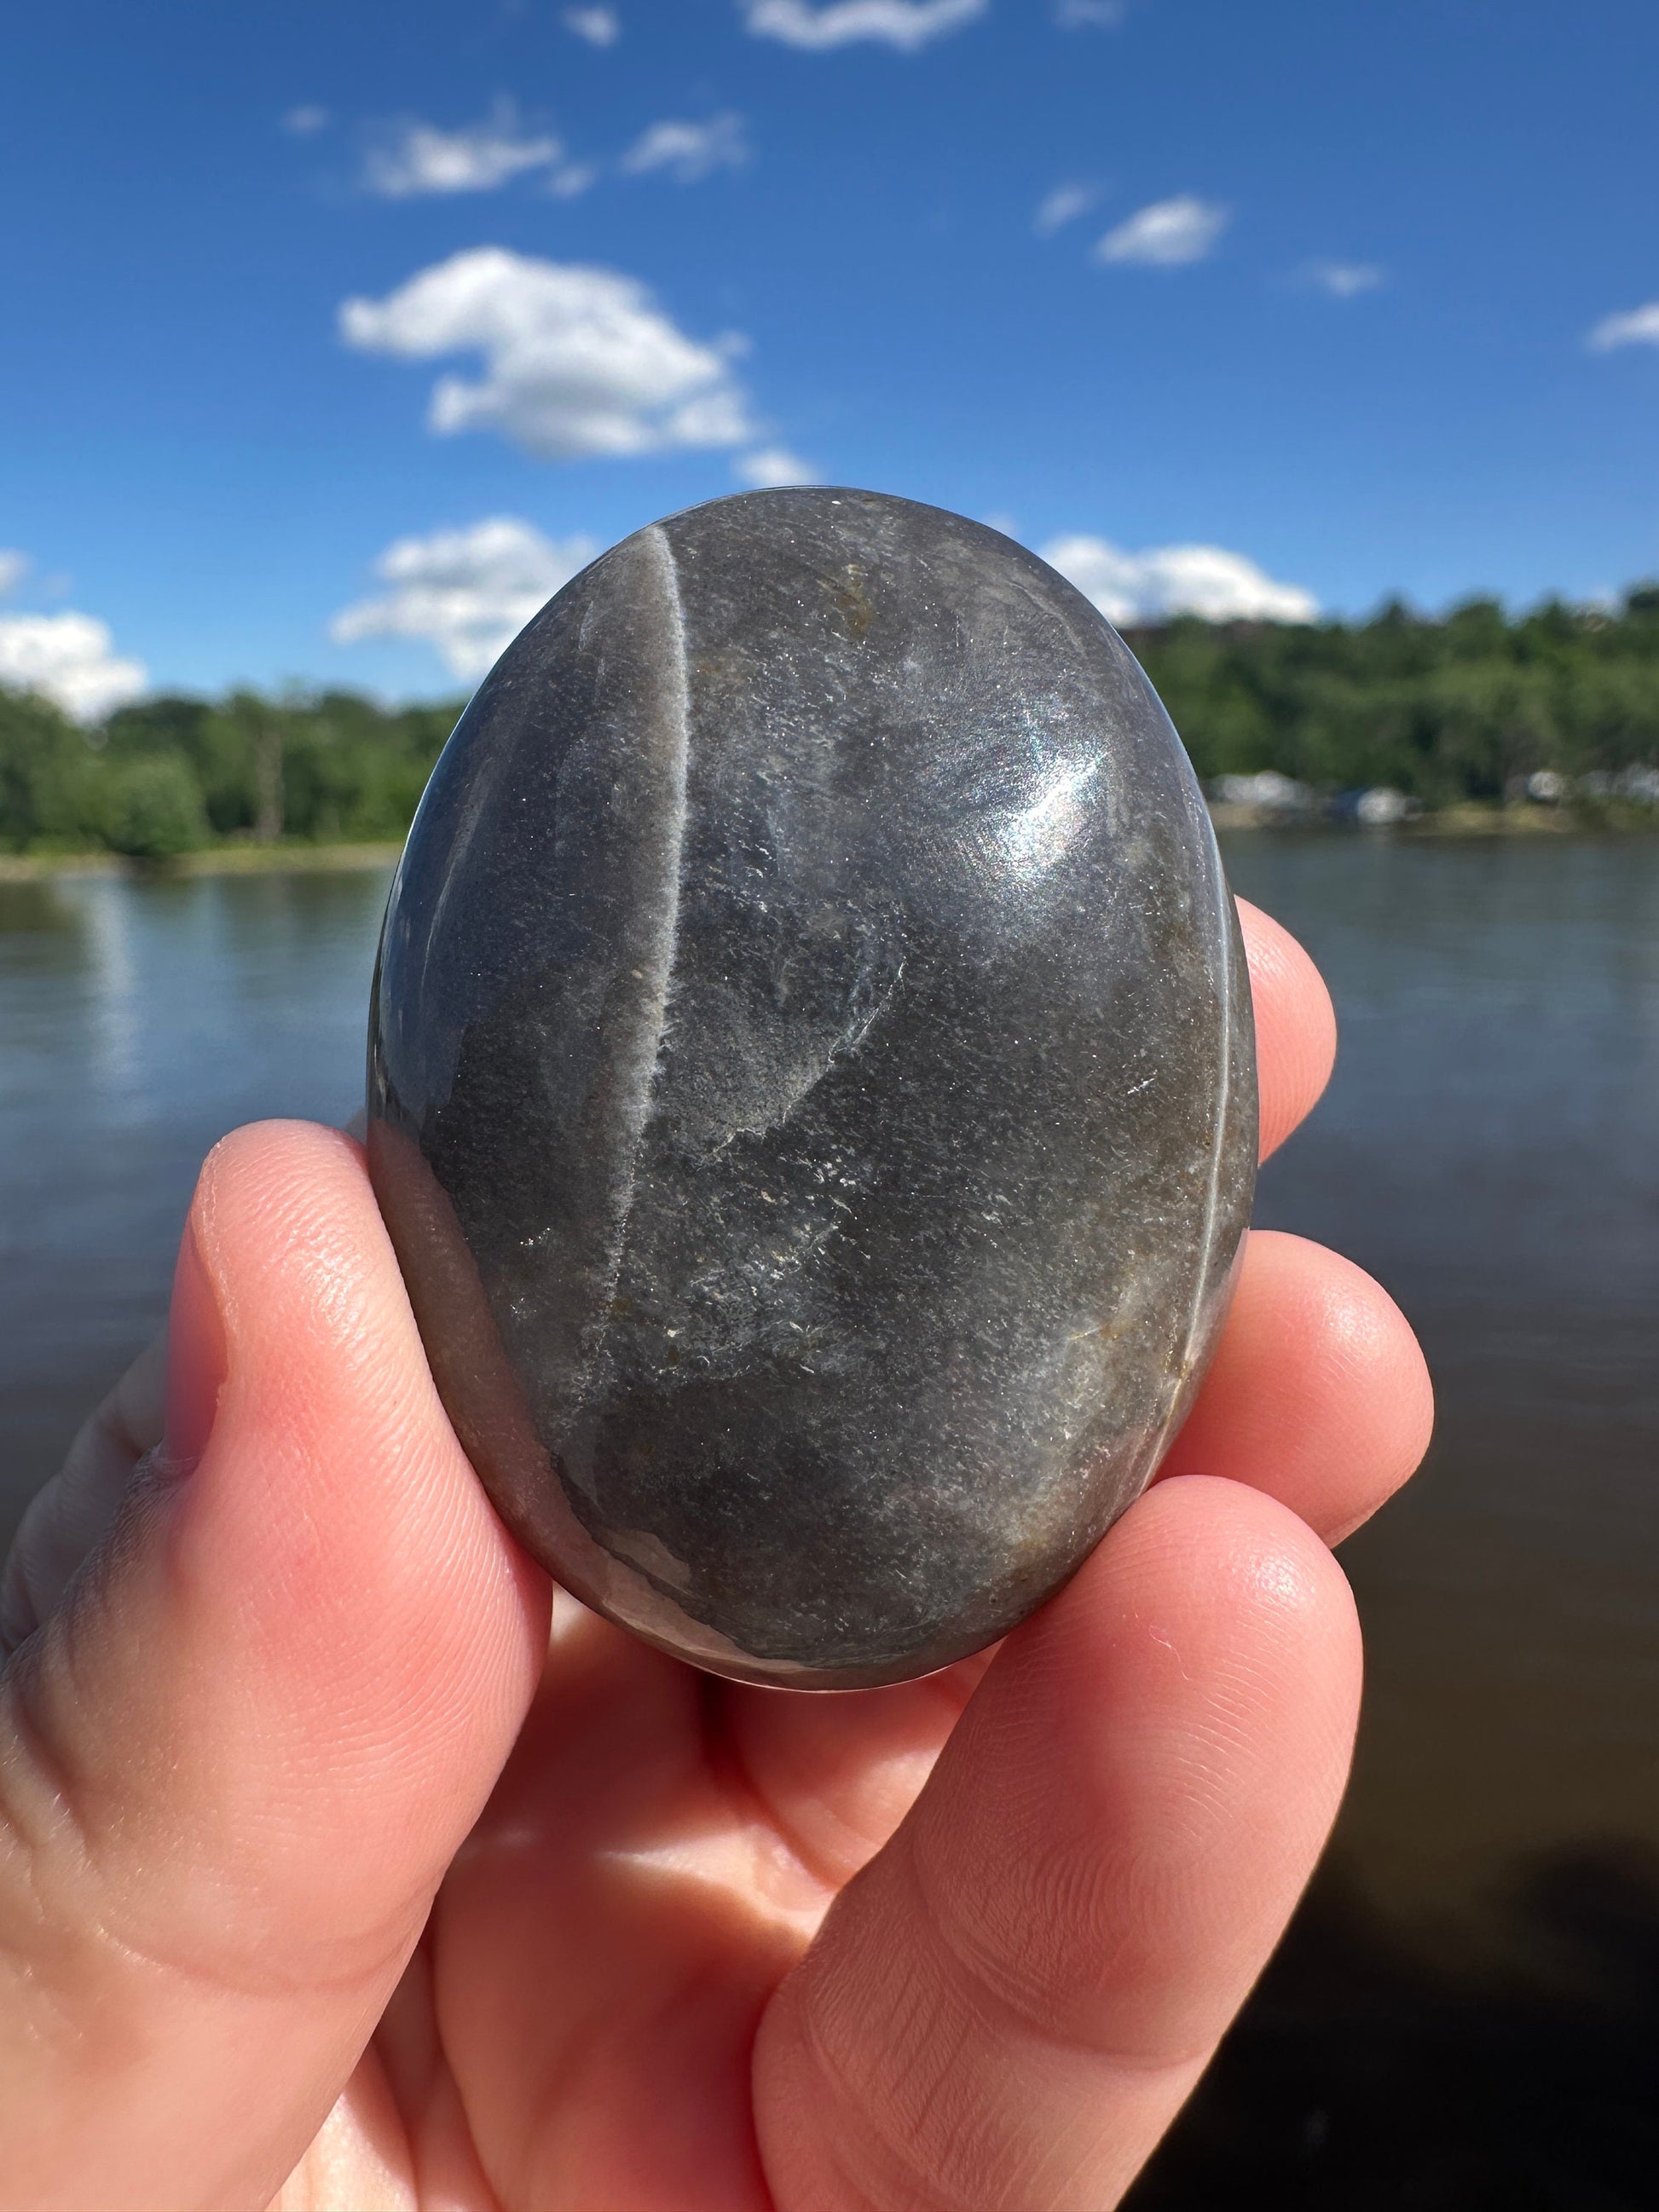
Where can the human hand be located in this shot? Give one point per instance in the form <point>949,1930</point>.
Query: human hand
<point>326,1875</point>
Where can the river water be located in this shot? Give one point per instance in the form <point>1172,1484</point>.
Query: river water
<point>1468,2009</point>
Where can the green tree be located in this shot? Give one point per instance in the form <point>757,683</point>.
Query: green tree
<point>153,808</point>
<point>48,776</point>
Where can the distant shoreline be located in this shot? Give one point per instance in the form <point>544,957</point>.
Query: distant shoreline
<point>239,860</point>
<point>1469,819</point>
<point>1466,818</point>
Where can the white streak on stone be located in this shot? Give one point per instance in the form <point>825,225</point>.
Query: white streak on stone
<point>1223,1099</point>
<point>1218,1148</point>
<point>664,739</point>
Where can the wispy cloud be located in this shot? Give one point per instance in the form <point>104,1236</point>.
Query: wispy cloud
<point>775,467</point>
<point>571,179</point>
<point>577,360</point>
<point>306,122</point>
<point>413,160</point>
<point>13,567</point>
<point>1089,15</point>
<point>1063,205</point>
<point>1636,327</point>
<point>600,27</point>
<point>465,592</point>
<point>687,152</point>
<point>907,25</point>
<point>1173,579</point>
<point>1168,234</point>
<point>1343,280</point>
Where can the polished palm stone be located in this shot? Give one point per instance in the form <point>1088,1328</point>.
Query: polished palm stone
<point>812,1092</point>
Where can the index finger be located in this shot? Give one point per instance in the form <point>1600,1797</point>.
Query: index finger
<point>1295,1025</point>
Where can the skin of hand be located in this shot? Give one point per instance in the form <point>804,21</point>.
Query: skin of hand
<point>339,1871</point>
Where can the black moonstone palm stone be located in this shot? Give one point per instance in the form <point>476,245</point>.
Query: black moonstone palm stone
<point>811,1089</point>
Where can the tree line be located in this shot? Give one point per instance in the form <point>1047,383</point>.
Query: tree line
<point>168,773</point>
<point>1461,707</point>
<point>1453,707</point>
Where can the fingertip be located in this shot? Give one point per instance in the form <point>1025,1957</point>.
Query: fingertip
<point>1204,1585</point>
<point>1318,1395</point>
<point>1295,1025</point>
<point>327,1380</point>
<point>272,1174</point>
<point>320,1341</point>
<point>1138,1792</point>
<point>1230,1565</point>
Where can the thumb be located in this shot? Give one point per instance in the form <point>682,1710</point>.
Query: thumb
<point>236,1759</point>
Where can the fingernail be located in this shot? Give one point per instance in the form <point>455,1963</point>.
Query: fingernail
<point>197,1358</point>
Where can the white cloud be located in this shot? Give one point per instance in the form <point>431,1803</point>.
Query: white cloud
<point>68,659</point>
<point>576,360</point>
<point>1063,205</point>
<point>689,151</point>
<point>1089,15</point>
<point>907,25</point>
<point>13,567</point>
<point>774,466</point>
<point>466,592</point>
<point>1640,326</point>
<point>1167,235</point>
<point>600,27</point>
<point>1176,580</point>
<point>1343,280</point>
<point>306,122</point>
<point>416,159</point>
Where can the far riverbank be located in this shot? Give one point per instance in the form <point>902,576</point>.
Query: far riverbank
<point>241,857</point>
<point>229,859</point>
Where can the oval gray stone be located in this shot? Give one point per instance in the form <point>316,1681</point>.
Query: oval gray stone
<point>811,1090</point>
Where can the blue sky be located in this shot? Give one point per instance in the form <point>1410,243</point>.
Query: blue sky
<point>338,333</point>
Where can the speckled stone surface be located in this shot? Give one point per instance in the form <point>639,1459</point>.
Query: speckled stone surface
<point>810,1085</point>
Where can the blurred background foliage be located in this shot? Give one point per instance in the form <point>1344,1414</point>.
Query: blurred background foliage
<point>1447,709</point>
<point>1450,709</point>
<point>170,773</point>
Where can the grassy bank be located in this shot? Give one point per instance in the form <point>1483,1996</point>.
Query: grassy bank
<point>240,859</point>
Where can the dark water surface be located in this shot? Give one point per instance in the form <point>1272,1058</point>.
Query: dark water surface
<point>138,1022</point>
<point>1466,2013</point>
